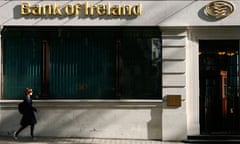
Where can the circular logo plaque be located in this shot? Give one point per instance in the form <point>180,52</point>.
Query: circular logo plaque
<point>219,9</point>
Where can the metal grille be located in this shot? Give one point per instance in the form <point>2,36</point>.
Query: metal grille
<point>22,64</point>
<point>82,65</point>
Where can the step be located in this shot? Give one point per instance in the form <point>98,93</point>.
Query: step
<point>227,139</point>
<point>212,141</point>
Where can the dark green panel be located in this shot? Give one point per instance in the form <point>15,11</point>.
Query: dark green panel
<point>141,68</point>
<point>82,65</point>
<point>82,62</point>
<point>21,65</point>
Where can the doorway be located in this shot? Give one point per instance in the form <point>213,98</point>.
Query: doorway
<point>219,87</point>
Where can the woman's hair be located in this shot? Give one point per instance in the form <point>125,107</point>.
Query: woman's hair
<point>27,91</point>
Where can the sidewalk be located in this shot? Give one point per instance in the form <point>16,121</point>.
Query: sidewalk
<point>53,140</point>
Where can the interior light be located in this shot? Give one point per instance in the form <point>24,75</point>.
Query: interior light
<point>230,54</point>
<point>221,53</point>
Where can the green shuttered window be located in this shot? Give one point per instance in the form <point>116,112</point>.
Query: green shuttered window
<point>82,65</point>
<point>21,65</point>
<point>82,62</point>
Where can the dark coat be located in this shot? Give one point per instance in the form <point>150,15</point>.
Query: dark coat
<point>28,117</point>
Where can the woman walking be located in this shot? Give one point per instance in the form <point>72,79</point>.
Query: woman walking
<point>28,116</point>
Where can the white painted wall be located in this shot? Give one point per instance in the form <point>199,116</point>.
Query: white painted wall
<point>193,15</point>
<point>174,119</point>
<point>79,118</point>
<point>163,13</point>
<point>172,13</point>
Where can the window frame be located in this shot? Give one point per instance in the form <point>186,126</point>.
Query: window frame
<point>46,60</point>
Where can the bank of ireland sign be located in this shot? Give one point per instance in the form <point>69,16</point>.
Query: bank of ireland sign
<point>219,9</point>
<point>79,9</point>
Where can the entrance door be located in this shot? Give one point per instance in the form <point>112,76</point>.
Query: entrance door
<point>219,86</point>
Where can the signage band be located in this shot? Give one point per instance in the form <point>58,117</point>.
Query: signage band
<point>80,9</point>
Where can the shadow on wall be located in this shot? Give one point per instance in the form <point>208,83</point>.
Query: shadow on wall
<point>96,122</point>
<point>54,122</point>
<point>9,122</point>
<point>202,14</point>
<point>155,124</point>
<point>72,123</point>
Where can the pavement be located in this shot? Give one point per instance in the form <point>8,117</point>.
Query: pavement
<point>54,140</point>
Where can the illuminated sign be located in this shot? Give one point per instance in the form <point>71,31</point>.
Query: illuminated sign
<point>78,9</point>
<point>219,9</point>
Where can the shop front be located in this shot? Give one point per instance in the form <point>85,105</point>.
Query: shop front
<point>82,76</point>
<point>161,70</point>
<point>91,76</point>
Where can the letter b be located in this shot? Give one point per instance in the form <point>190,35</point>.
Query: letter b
<point>25,8</point>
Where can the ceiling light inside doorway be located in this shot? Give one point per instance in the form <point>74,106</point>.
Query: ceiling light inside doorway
<point>221,53</point>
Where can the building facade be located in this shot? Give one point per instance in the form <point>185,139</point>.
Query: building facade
<point>160,70</point>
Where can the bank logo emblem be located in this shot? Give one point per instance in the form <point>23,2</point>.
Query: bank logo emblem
<point>219,9</point>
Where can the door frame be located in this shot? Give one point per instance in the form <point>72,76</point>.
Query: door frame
<point>192,72</point>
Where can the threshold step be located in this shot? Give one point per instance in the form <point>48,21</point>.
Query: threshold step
<point>214,137</point>
<point>213,141</point>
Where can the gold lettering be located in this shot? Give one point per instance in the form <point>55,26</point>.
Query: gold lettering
<point>86,8</point>
<point>126,9</point>
<point>56,9</point>
<point>36,10</point>
<point>69,9</point>
<point>140,11</point>
<point>91,8</point>
<point>115,10</point>
<point>77,9</point>
<point>25,8</point>
<point>108,9</point>
<point>47,10</point>
<point>137,10</point>
<point>101,9</point>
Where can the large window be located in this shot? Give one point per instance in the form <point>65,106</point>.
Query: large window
<point>82,62</point>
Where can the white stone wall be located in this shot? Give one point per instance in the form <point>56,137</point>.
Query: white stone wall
<point>167,13</point>
<point>81,118</point>
<point>174,83</point>
<point>154,13</point>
